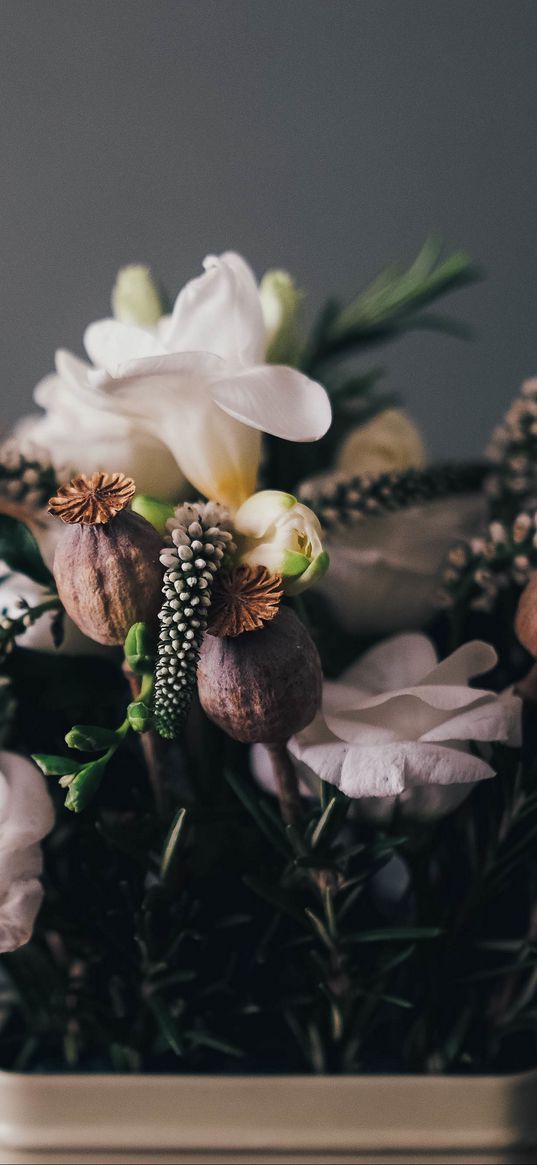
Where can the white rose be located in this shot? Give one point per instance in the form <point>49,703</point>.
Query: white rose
<point>26,816</point>
<point>398,721</point>
<point>387,442</point>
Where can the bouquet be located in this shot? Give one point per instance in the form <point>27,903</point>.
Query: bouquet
<point>266,804</point>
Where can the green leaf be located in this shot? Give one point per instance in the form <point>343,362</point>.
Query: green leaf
<point>172,843</point>
<point>19,550</point>
<point>55,766</point>
<point>395,934</point>
<point>90,738</point>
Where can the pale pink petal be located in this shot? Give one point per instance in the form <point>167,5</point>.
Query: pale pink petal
<point>399,662</point>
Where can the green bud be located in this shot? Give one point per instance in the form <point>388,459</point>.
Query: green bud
<point>140,717</point>
<point>155,512</point>
<point>140,649</point>
<point>55,766</point>
<point>90,738</point>
<point>313,573</point>
<point>83,787</point>
<point>280,300</point>
<point>135,297</point>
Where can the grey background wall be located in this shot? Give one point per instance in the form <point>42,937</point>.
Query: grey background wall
<point>327,136</point>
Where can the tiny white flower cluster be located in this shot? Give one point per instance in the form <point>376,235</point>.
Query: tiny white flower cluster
<point>477,571</point>
<point>513,451</point>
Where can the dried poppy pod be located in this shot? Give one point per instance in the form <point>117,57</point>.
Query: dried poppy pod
<point>106,564</point>
<point>526,617</point>
<point>261,686</point>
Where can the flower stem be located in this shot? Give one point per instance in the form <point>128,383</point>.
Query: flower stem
<point>286,783</point>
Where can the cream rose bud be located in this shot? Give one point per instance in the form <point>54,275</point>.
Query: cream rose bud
<point>387,442</point>
<point>283,535</point>
<point>26,816</point>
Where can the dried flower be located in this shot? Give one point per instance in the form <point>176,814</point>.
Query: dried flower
<point>201,536</point>
<point>262,688</point>
<point>92,500</point>
<point>106,564</point>
<point>243,600</point>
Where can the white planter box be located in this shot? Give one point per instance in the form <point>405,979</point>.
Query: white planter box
<point>257,1120</point>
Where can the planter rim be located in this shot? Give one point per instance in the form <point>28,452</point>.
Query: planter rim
<point>118,1113</point>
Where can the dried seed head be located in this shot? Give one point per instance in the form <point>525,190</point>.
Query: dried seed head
<point>107,572</point>
<point>264,687</point>
<point>243,600</point>
<point>92,501</point>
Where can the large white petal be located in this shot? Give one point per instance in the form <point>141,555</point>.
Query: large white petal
<point>277,400</point>
<point>26,809</point>
<point>470,660</point>
<point>399,662</point>
<point>492,719</point>
<point>21,894</point>
<point>389,769</point>
<point>110,343</point>
<point>171,396</point>
<point>220,312</point>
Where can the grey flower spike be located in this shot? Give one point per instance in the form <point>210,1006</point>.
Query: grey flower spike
<point>343,499</point>
<point>26,476</point>
<point>512,484</point>
<point>479,570</point>
<point>200,535</point>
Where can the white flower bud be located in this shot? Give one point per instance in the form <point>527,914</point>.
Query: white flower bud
<point>283,535</point>
<point>135,297</point>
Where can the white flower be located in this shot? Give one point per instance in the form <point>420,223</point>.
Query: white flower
<point>387,442</point>
<point>384,571</point>
<point>26,816</point>
<point>283,535</point>
<point>193,392</point>
<point>398,720</point>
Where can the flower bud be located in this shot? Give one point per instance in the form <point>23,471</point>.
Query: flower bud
<point>106,564</point>
<point>135,297</point>
<point>140,649</point>
<point>262,686</point>
<point>283,535</point>
<point>387,442</point>
<point>280,302</point>
<point>139,716</point>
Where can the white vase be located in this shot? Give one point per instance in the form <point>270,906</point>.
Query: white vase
<point>175,1120</point>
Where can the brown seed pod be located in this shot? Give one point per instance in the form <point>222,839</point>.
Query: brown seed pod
<point>261,686</point>
<point>526,617</point>
<point>106,565</point>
